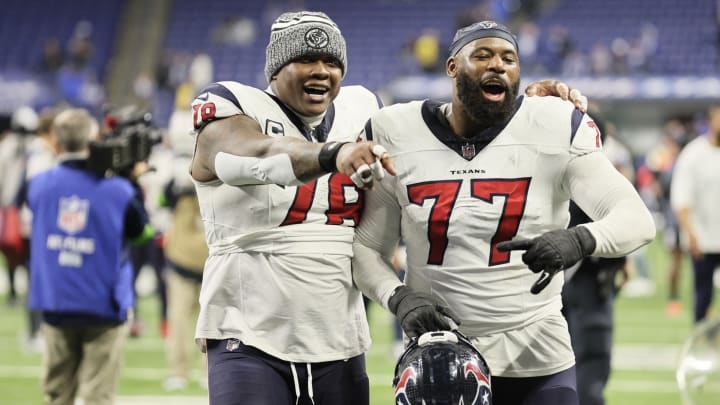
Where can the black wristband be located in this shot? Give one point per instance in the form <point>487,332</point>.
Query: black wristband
<point>585,238</point>
<point>328,155</point>
<point>396,296</point>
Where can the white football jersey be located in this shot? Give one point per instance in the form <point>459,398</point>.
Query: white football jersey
<point>454,200</point>
<point>278,276</point>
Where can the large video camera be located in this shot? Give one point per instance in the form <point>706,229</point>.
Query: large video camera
<point>129,140</point>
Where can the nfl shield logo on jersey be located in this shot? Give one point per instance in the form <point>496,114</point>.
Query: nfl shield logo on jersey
<point>73,213</point>
<point>468,151</point>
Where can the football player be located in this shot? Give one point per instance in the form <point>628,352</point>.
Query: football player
<point>480,180</point>
<point>279,179</point>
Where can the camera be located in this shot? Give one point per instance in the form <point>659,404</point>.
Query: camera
<point>129,140</point>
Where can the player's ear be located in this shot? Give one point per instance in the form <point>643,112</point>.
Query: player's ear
<point>451,67</point>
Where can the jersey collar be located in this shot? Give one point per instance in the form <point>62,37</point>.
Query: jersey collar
<point>467,148</point>
<point>321,131</point>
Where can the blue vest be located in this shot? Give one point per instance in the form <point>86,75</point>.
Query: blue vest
<point>78,260</point>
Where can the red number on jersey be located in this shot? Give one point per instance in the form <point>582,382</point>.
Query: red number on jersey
<point>594,126</point>
<point>515,193</point>
<point>338,208</point>
<point>304,196</point>
<point>444,194</point>
<point>207,112</point>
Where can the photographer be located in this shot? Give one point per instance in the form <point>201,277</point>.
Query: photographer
<point>81,279</point>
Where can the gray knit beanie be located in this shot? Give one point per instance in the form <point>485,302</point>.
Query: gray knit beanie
<point>306,32</point>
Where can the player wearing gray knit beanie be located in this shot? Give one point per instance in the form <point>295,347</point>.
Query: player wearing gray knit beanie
<point>300,33</point>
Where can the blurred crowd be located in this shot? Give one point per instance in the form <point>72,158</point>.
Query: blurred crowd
<point>69,71</point>
<point>548,50</point>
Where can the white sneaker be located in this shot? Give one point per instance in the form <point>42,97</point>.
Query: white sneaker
<point>175,383</point>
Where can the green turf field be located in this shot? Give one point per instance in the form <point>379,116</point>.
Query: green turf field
<point>647,343</point>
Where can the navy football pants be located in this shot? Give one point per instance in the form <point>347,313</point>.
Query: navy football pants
<point>555,389</point>
<point>703,270</point>
<point>240,374</point>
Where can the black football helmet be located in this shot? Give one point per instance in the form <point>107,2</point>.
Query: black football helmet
<point>442,368</point>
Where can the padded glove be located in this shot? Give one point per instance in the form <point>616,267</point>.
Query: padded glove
<point>552,251</point>
<point>419,312</point>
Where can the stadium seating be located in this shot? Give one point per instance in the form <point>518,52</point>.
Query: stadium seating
<point>688,36</point>
<point>26,25</point>
<point>378,33</point>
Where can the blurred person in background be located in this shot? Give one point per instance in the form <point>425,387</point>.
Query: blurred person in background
<point>52,57</point>
<point>150,256</point>
<point>19,127</point>
<point>81,278</point>
<point>43,149</point>
<point>661,162</point>
<point>694,194</point>
<point>185,251</point>
<point>427,52</point>
<point>41,155</point>
<point>478,178</point>
<point>640,283</point>
<point>590,289</point>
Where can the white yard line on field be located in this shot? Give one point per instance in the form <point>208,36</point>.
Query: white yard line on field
<point>625,357</point>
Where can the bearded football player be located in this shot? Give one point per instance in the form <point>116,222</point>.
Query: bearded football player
<point>481,201</point>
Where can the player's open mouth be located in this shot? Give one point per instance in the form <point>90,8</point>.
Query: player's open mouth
<point>494,90</point>
<point>316,90</point>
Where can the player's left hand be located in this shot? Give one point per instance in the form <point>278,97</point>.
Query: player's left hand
<point>419,312</point>
<point>557,88</point>
<point>552,251</point>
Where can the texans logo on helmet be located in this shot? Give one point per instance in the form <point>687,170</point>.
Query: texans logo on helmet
<point>483,384</point>
<point>401,397</point>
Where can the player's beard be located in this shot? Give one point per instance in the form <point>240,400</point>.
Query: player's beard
<point>483,112</point>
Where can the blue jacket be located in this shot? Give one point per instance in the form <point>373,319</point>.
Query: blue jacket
<point>78,258</point>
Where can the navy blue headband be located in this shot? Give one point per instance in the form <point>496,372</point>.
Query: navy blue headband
<point>482,29</point>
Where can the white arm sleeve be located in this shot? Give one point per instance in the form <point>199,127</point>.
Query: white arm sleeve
<point>622,222</point>
<point>375,240</point>
<point>244,170</point>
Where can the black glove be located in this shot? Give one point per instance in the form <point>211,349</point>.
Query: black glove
<point>552,251</point>
<point>420,312</point>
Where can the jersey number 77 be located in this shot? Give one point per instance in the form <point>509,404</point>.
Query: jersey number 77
<point>444,193</point>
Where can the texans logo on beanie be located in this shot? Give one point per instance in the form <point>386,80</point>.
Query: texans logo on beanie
<point>306,32</point>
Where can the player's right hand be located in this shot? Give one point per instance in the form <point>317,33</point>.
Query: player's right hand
<point>419,312</point>
<point>364,162</point>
